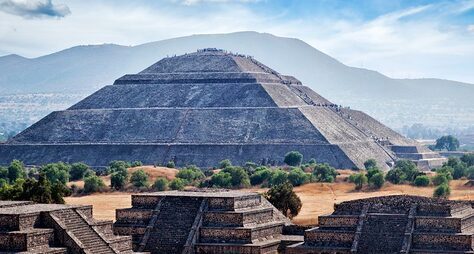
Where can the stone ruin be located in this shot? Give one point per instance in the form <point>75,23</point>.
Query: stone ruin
<point>203,223</point>
<point>26,227</point>
<point>392,224</point>
<point>203,107</point>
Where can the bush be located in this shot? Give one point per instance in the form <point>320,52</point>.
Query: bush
<point>442,191</point>
<point>161,184</point>
<point>93,184</point>
<point>470,173</point>
<point>468,159</point>
<point>118,180</point>
<point>293,158</point>
<point>260,176</point>
<point>4,173</point>
<point>278,177</point>
<point>324,173</point>
<point>56,172</point>
<point>377,181</point>
<point>297,177</point>
<point>449,143</point>
<point>422,181</point>
<point>240,178</point>
<point>221,180</point>
<point>284,199</point>
<point>395,176</point>
<point>177,184</point>
<point>370,163</point>
<point>190,174</point>
<point>408,168</point>
<point>225,163</point>
<point>447,171</point>
<point>170,164</point>
<point>16,170</point>
<point>78,171</point>
<point>372,171</point>
<point>312,161</point>
<point>136,164</point>
<point>359,180</point>
<point>118,166</point>
<point>139,178</point>
<point>440,179</point>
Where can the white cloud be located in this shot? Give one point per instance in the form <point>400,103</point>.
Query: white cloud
<point>34,8</point>
<point>194,2</point>
<point>470,28</point>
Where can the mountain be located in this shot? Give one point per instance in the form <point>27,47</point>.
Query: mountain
<point>84,69</point>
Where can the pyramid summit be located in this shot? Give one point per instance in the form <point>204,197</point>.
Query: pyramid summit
<point>203,107</point>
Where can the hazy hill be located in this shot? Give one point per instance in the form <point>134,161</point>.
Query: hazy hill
<point>84,69</point>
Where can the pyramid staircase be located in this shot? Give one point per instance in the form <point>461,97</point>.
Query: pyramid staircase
<point>393,224</point>
<point>201,222</point>
<point>26,227</point>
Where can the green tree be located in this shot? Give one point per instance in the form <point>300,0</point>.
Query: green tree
<point>161,184</point>
<point>359,180</point>
<point>376,181</point>
<point>442,191</point>
<point>278,177</point>
<point>395,176</point>
<point>312,161</point>
<point>93,184</point>
<point>190,174</point>
<point>260,175</point>
<point>225,163</point>
<point>118,180</point>
<point>4,173</point>
<point>170,164</point>
<point>468,159</point>
<point>440,179</point>
<point>284,199</point>
<point>322,172</point>
<point>136,164</point>
<point>56,172</point>
<point>372,171</point>
<point>177,184</point>
<point>58,192</point>
<point>139,178</point>
<point>221,180</point>
<point>293,158</point>
<point>78,171</point>
<point>239,175</point>
<point>470,173</point>
<point>448,142</point>
<point>297,177</point>
<point>408,168</point>
<point>422,181</point>
<point>16,170</point>
<point>370,163</point>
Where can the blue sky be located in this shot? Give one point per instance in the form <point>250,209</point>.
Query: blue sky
<point>403,39</point>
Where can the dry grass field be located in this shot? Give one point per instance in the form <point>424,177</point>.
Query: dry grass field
<point>318,198</point>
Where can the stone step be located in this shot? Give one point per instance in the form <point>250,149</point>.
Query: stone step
<point>443,241</point>
<point>240,234</point>
<point>238,218</point>
<point>26,239</point>
<point>302,248</point>
<point>264,247</point>
<point>333,238</point>
<point>44,250</point>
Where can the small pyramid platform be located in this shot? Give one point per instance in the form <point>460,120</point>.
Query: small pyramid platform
<point>202,222</point>
<point>203,107</point>
<point>26,227</point>
<point>392,224</point>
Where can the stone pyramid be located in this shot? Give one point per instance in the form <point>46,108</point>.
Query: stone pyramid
<point>203,107</point>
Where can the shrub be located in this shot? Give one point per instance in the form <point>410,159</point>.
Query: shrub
<point>324,173</point>
<point>136,164</point>
<point>470,173</point>
<point>221,180</point>
<point>139,178</point>
<point>293,158</point>
<point>284,199</point>
<point>370,163</point>
<point>118,180</point>
<point>372,171</point>
<point>260,176</point>
<point>442,191</point>
<point>359,180</point>
<point>377,181</point>
<point>78,171</point>
<point>240,178</point>
<point>56,172</point>
<point>177,184</point>
<point>93,184</point>
<point>170,164</point>
<point>4,173</point>
<point>440,179</point>
<point>118,166</point>
<point>468,159</point>
<point>278,177</point>
<point>16,170</point>
<point>395,176</point>
<point>408,168</point>
<point>190,174</point>
<point>312,161</point>
<point>161,184</point>
<point>225,163</point>
<point>447,171</point>
<point>297,177</point>
<point>422,181</point>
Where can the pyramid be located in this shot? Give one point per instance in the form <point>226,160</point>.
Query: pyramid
<point>203,107</point>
